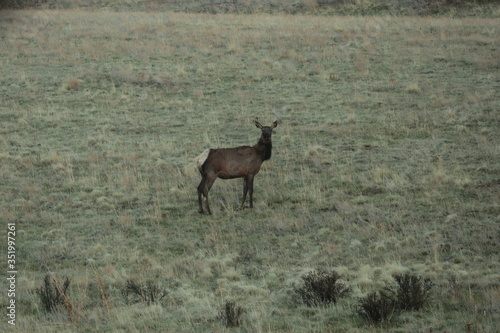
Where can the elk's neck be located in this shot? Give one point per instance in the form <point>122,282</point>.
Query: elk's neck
<point>263,149</point>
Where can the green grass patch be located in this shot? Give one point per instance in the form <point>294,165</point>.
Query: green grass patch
<point>385,162</point>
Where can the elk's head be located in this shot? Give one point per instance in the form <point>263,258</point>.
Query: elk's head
<point>267,131</point>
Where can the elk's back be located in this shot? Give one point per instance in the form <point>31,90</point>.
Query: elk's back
<point>229,163</point>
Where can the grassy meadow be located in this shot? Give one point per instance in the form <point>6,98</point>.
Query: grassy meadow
<point>386,161</point>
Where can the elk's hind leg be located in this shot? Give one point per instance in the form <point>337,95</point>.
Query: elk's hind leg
<point>205,185</point>
<point>247,188</point>
<point>201,187</point>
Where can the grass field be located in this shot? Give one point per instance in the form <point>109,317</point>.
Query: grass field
<point>386,161</point>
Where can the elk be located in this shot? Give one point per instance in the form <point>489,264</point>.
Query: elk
<point>239,162</point>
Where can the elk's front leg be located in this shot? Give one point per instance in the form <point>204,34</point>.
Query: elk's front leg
<point>250,189</point>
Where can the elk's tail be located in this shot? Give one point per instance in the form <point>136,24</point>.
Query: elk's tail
<point>202,158</point>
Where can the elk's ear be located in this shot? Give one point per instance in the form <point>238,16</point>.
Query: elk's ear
<point>275,123</point>
<point>257,124</point>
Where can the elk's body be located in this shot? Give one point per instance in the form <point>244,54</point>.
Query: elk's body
<point>239,162</point>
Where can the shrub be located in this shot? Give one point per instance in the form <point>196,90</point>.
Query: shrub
<point>411,292</point>
<point>148,292</point>
<point>53,295</point>
<point>230,314</point>
<point>321,288</point>
<point>377,307</point>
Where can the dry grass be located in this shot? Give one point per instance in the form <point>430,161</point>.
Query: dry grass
<point>386,162</point>
<point>449,8</point>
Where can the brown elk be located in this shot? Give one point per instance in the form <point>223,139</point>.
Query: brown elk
<point>239,162</point>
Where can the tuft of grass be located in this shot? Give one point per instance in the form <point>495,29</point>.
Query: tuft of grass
<point>148,293</point>
<point>230,314</point>
<point>105,299</point>
<point>413,88</point>
<point>73,84</point>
